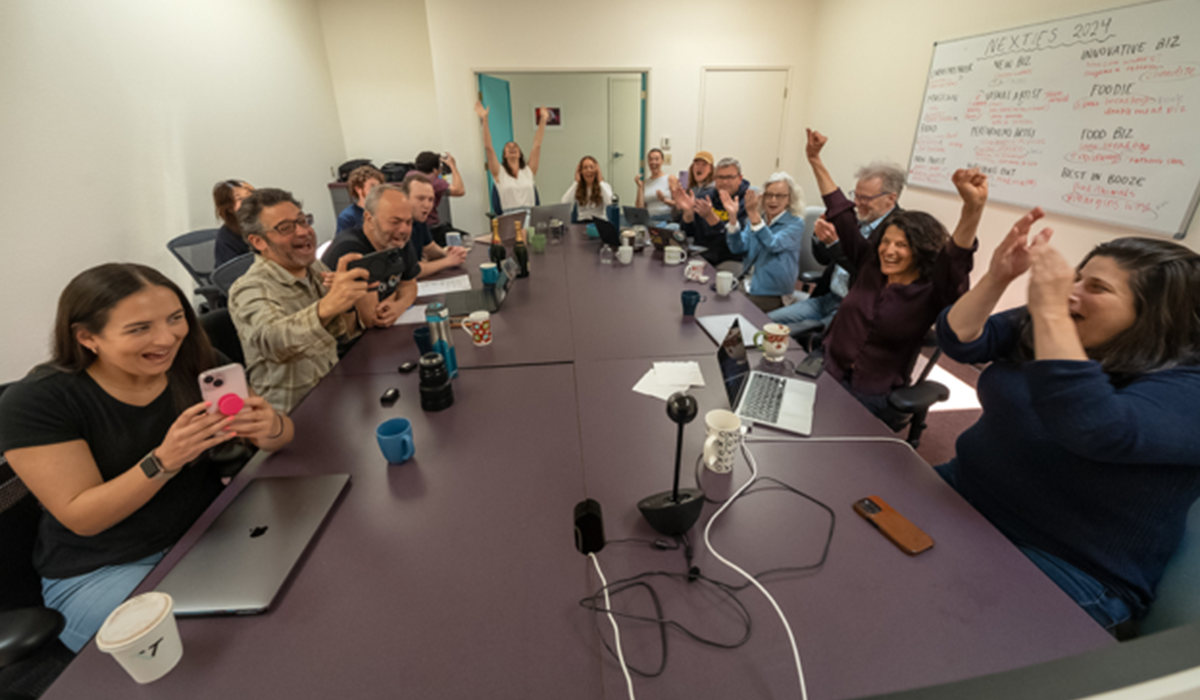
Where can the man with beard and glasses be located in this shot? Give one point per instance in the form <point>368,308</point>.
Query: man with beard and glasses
<point>387,223</point>
<point>879,186</point>
<point>289,310</point>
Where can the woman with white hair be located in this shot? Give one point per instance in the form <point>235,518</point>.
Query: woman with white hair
<point>771,239</point>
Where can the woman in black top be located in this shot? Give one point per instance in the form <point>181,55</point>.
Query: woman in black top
<point>112,437</point>
<point>227,197</point>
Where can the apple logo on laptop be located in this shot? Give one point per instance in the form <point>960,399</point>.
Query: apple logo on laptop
<point>258,531</point>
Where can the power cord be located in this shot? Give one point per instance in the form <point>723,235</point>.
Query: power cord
<point>616,630</point>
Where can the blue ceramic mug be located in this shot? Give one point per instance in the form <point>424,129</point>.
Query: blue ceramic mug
<point>690,298</point>
<point>489,273</point>
<point>395,437</point>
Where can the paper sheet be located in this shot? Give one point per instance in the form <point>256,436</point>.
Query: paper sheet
<point>415,314</point>
<point>717,326</point>
<point>687,373</point>
<point>430,288</point>
<point>650,385</point>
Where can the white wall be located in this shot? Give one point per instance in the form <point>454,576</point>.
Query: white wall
<point>119,117</point>
<point>673,41</point>
<point>866,96</point>
<point>383,77</point>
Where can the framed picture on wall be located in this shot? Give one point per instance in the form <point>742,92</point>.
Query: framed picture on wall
<point>555,119</point>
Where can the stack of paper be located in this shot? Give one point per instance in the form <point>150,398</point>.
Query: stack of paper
<point>666,378</point>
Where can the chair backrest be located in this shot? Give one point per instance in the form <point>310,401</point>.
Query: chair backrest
<point>224,276</point>
<point>20,513</point>
<point>1178,600</point>
<point>339,192</point>
<point>218,324</point>
<point>196,251</point>
<point>810,269</point>
<point>443,211</point>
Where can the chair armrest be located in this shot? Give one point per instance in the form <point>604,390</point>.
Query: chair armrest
<point>26,630</point>
<point>918,397</point>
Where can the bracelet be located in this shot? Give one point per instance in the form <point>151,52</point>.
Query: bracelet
<point>281,426</point>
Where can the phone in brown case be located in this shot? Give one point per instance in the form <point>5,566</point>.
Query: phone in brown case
<point>908,537</point>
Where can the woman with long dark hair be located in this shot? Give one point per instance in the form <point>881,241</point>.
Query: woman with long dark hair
<point>227,198</point>
<point>590,193</point>
<point>112,438</point>
<point>513,176</point>
<point>1087,455</point>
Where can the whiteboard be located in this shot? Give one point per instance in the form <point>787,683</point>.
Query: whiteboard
<point>1095,116</point>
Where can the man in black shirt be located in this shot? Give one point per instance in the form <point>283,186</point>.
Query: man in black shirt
<point>387,223</point>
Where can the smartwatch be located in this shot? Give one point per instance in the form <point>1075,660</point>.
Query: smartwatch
<point>153,468</point>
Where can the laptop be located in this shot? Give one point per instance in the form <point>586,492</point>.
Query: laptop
<point>541,214</point>
<point>637,216</point>
<point>508,226</point>
<point>764,398</point>
<point>241,561</point>
<point>489,298</point>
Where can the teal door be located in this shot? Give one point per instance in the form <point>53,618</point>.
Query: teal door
<point>494,94</point>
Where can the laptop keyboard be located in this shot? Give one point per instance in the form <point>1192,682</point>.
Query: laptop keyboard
<point>763,398</point>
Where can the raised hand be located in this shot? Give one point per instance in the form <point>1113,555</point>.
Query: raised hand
<point>729,202</point>
<point>543,116</point>
<point>1051,279</point>
<point>1011,258</point>
<point>824,231</point>
<point>703,206</point>
<point>193,432</point>
<point>346,288</point>
<point>812,148</point>
<point>637,180</point>
<point>449,160</point>
<point>972,186</point>
<point>481,110</point>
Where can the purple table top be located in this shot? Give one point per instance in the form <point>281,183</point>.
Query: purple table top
<point>872,619</point>
<point>531,327</point>
<point>442,577</point>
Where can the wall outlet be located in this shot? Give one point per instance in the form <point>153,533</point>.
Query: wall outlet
<point>665,143</point>
<point>666,157</point>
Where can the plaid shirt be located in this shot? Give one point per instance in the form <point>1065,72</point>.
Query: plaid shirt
<point>287,348</point>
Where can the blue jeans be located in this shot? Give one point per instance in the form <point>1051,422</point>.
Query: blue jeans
<point>87,599</point>
<point>1102,603</point>
<point>808,312</point>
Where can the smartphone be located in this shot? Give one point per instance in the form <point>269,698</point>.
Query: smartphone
<point>811,366</point>
<point>454,239</point>
<point>908,537</point>
<point>225,388</point>
<point>381,265</point>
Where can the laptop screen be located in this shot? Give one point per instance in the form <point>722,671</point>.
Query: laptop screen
<point>735,367</point>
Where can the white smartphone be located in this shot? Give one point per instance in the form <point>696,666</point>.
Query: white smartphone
<point>225,388</point>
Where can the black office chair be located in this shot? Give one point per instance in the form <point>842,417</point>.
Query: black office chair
<point>917,398</point>
<point>196,251</point>
<point>224,276</point>
<point>810,269</point>
<point>31,656</point>
<point>222,334</point>
<point>497,210</point>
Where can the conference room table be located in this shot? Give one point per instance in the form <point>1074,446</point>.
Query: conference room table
<point>455,574</point>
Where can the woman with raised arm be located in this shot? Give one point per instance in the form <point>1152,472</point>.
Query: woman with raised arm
<point>1087,455</point>
<point>514,177</point>
<point>590,193</point>
<point>907,272</point>
<point>112,438</point>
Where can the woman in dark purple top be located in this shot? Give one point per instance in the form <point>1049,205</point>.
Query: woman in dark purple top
<point>227,197</point>
<point>907,272</point>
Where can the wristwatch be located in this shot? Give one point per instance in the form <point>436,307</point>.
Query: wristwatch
<point>154,469</point>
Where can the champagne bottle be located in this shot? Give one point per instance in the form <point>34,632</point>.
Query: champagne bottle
<point>521,252</point>
<point>497,253</point>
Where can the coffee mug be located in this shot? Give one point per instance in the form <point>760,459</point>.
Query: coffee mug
<point>142,636</point>
<point>723,433</point>
<point>395,437</point>
<point>479,326</point>
<point>774,340</point>
<point>726,283</point>
<point>629,238</point>
<point>690,298</point>
<point>694,269</point>
<point>488,273</point>
<point>625,254</point>
<point>673,255</point>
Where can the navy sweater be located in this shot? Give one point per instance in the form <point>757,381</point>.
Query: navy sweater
<point>1062,460</point>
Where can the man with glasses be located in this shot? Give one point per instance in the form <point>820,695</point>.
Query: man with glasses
<point>874,196</point>
<point>289,310</point>
<point>716,211</point>
<point>387,223</point>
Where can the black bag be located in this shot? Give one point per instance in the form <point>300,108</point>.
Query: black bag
<point>348,167</point>
<point>395,172</point>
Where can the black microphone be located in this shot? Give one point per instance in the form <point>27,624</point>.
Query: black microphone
<point>674,512</point>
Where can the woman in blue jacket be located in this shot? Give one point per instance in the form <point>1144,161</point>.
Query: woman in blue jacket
<point>1087,455</point>
<point>770,239</point>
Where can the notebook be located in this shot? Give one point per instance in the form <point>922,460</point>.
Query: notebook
<point>764,398</point>
<point>489,298</point>
<point>241,561</point>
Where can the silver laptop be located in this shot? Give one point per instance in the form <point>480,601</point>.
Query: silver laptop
<point>764,398</point>
<point>241,561</point>
<point>562,212</point>
<point>507,226</point>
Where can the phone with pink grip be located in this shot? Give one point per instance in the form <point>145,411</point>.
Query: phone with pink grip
<point>225,389</point>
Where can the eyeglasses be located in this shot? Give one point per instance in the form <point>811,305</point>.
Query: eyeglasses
<point>288,226</point>
<point>729,177</point>
<point>856,197</point>
<point>775,195</point>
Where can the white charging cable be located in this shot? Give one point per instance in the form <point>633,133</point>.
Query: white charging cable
<point>747,576</point>
<point>613,620</point>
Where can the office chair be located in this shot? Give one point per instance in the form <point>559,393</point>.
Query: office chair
<point>1177,603</point>
<point>196,251</point>
<point>224,276</point>
<point>31,656</point>
<point>218,325</point>
<point>495,199</point>
<point>339,194</point>
<point>918,397</point>
<point>810,269</point>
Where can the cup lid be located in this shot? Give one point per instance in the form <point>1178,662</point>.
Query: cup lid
<point>132,619</point>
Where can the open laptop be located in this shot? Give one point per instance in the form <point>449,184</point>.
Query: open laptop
<point>637,216</point>
<point>507,226</point>
<point>545,213</point>
<point>489,298</point>
<point>761,397</point>
<point>241,561</point>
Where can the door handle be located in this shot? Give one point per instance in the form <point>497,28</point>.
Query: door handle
<point>617,154</point>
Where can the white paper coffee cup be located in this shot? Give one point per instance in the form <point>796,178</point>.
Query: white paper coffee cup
<point>141,635</point>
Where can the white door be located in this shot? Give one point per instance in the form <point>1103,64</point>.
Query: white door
<point>624,136</point>
<point>742,115</point>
